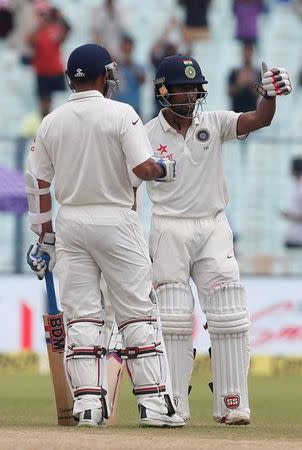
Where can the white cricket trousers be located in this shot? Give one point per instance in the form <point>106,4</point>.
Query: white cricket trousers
<point>198,248</point>
<point>101,239</point>
<point>92,239</point>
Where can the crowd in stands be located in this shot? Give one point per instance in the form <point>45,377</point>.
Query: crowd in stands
<point>37,29</point>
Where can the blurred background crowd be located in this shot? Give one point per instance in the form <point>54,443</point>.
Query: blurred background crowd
<point>229,38</point>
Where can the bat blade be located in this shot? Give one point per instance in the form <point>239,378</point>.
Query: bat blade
<point>55,340</point>
<point>115,373</point>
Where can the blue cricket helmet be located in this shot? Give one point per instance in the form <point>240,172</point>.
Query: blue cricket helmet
<point>178,70</point>
<point>88,62</point>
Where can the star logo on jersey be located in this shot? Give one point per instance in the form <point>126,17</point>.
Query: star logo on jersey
<point>162,149</point>
<point>164,152</point>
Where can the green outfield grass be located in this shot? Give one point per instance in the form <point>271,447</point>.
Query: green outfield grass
<point>26,401</point>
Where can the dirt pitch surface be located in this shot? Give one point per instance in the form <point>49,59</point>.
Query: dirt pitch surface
<point>18,438</point>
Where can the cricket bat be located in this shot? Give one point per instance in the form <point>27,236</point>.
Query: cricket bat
<point>115,365</point>
<point>115,373</point>
<point>55,340</point>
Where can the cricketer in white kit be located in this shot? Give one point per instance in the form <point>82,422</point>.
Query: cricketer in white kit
<point>87,145</point>
<point>190,235</point>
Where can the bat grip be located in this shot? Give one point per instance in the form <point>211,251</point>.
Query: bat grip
<point>50,288</point>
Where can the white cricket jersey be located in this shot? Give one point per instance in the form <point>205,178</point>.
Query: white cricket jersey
<point>200,187</point>
<point>87,145</point>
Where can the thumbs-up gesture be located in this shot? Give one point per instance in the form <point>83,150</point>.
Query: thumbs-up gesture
<point>274,82</point>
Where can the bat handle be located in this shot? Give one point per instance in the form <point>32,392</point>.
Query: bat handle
<point>50,288</point>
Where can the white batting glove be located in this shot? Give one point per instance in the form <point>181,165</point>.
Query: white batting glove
<point>274,82</point>
<point>169,168</point>
<point>35,255</point>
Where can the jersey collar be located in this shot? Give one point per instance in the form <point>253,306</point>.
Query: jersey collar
<point>85,94</point>
<point>166,126</point>
<point>164,123</point>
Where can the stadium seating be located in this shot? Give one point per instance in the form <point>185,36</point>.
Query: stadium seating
<point>257,171</point>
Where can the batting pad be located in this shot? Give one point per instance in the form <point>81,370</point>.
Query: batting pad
<point>86,364</point>
<point>176,306</point>
<point>228,324</point>
<point>146,361</point>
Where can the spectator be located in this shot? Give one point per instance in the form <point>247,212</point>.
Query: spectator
<point>46,41</point>
<point>108,26</point>
<point>25,23</point>
<point>247,13</point>
<point>297,6</point>
<point>294,213</point>
<point>6,19</point>
<point>131,75</point>
<point>165,46</point>
<point>242,81</point>
<point>196,20</point>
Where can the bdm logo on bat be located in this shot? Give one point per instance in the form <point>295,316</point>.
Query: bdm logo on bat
<point>55,333</point>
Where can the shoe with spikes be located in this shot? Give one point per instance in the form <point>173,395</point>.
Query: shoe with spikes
<point>150,418</point>
<point>90,418</point>
<point>235,418</point>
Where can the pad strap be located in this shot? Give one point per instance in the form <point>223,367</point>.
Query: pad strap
<point>39,218</point>
<point>150,320</point>
<point>89,390</point>
<point>140,352</point>
<point>149,390</point>
<point>86,320</point>
<point>38,191</point>
<point>86,352</point>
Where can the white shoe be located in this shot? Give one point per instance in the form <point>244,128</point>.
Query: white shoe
<point>235,418</point>
<point>179,410</point>
<point>150,418</point>
<point>90,418</point>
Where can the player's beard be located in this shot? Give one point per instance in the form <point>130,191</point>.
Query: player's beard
<point>184,107</point>
<point>183,110</point>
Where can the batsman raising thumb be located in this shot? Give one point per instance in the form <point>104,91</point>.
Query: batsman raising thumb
<point>274,82</point>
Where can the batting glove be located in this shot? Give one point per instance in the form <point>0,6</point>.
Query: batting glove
<point>35,255</point>
<point>274,82</point>
<point>169,168</point>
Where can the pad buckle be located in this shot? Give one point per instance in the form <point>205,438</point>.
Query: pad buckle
<point>131,352</point>
<point>99,352</point>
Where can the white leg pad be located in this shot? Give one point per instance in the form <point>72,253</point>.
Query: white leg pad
<point>176,306</point>
<point>228,324</point>
<point>86,364</point>
<point>147,362</point>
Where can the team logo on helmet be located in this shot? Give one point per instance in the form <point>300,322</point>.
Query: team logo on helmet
<point>79,73</point>
<point>203,135</point>
<point>190,72</point>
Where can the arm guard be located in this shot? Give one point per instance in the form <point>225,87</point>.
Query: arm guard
<point>35,216</point>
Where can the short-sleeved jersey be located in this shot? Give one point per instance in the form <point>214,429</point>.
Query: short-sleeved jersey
<point>88,144</point>
<point>200,188</point>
